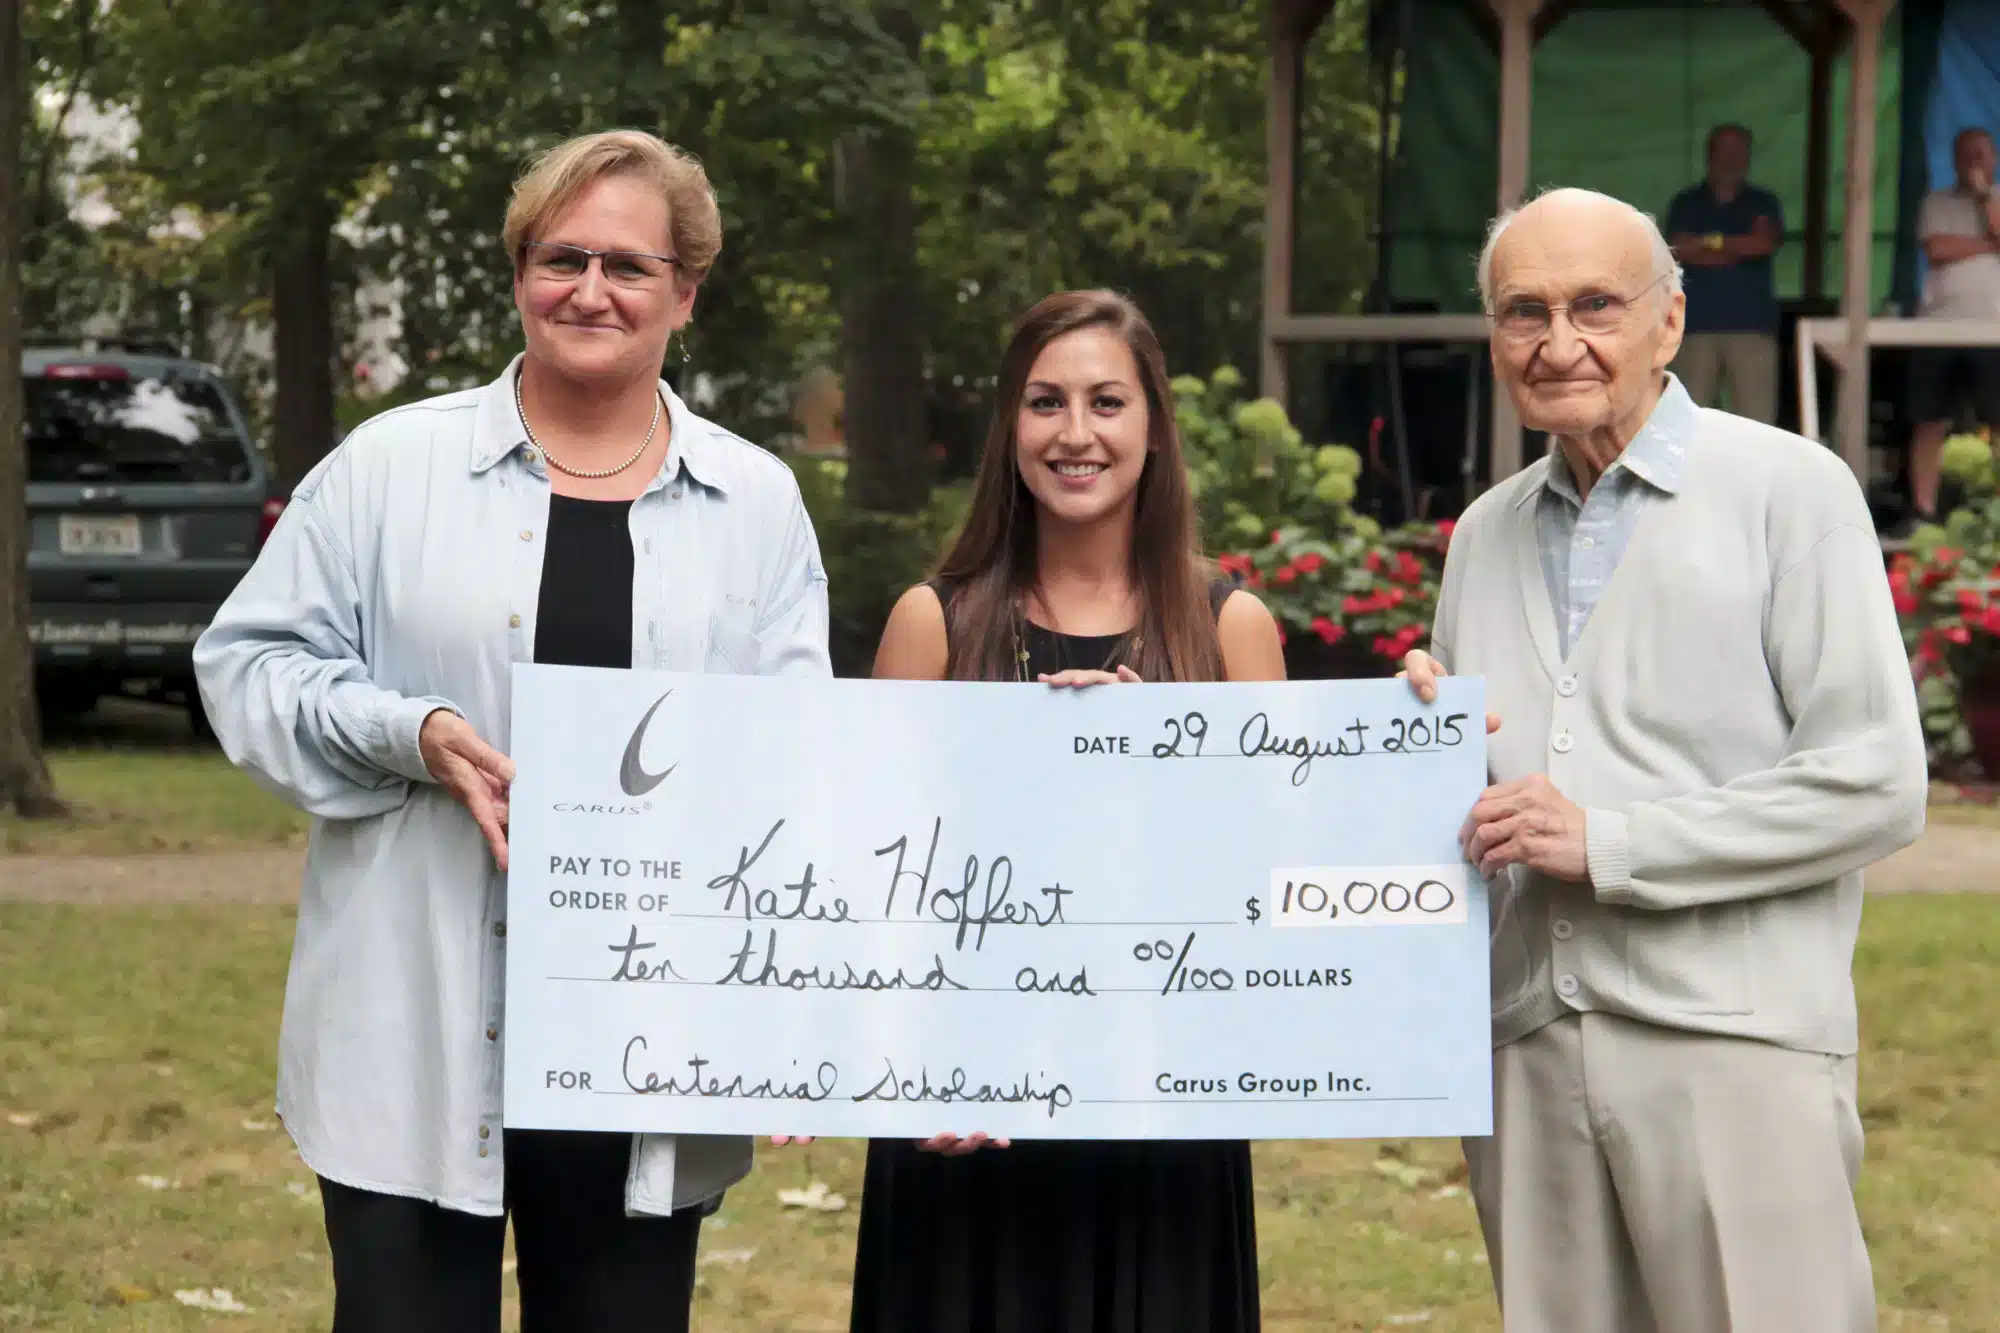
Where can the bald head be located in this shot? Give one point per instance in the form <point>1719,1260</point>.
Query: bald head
<point>1586,304</point>
<point>1578,214</point>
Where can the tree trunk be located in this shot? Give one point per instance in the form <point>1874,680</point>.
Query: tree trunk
<point>302,334</point>
<point>888,441</point>
<point>642,35</point>
<point>24,776</point>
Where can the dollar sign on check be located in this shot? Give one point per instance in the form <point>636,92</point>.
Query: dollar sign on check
<point>1250,904</point>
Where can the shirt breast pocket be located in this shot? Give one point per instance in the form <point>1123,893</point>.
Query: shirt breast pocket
<point>732,637</point>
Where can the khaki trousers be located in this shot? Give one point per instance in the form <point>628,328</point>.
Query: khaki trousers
<point>1746,362</point>
<point>1646,1180</point>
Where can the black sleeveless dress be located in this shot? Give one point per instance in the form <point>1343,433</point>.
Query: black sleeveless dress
<point>1056,1236</point>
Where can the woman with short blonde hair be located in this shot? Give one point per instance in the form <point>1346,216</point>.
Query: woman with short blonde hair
<point>575,512</point>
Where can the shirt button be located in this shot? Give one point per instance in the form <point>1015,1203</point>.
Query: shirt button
<point>532,456</point>
<point>492,1034</point>
<point>675,492</point>
<point>1566,687</point>
<point>1586,542</point>
<point>1562,742</point>
<point>485,1132</point>
<point>482,1150</point>
<point>500,929</point>
<point>1567,985</point>
<point>513,622</point>
<point>1562,930</point>
<point>527,534</point>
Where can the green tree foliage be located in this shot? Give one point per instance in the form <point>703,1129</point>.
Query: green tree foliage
<point>290,148</point>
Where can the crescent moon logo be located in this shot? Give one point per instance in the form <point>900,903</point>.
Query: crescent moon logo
<point>632,774</point>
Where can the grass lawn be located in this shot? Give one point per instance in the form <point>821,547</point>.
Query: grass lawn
<point>137,782</point>
<point>138,1154</point>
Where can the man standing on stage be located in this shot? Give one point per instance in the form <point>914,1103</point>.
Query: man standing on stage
<point>1706,728</point>
<point>1724,231</point>
<point>1959,229</point>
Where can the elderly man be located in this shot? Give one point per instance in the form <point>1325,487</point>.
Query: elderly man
<point>1705,729</point>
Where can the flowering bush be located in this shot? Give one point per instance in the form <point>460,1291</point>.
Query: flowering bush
<point>1947,593</point>
<point>1277,513</point>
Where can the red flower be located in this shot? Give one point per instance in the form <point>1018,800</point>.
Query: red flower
<point>1327,630</point>
<point>1309,563</point>
<point>1990,622</point>
<point>1408,568</point>
<point>1233,564</point>
<point>1446,527</point>
<point>1408,638</point>
<point>1391,597</point>
<point>1906,602</point>
<point>1383,646</point>
<point>1374,562</point>
<point>1354,606</point>
<point>1281,634</point>
<point>1285,574</point>
<point>1969,601</point>
<point>1255,579</point>
<point>1276,536</point>
<point>1958,634</point>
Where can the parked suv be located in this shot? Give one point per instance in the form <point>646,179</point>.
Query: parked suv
<point>146,503</point>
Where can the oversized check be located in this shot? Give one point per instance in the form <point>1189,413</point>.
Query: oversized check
<point>751,905</point>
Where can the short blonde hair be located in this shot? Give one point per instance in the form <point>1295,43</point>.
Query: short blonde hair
<point>558,177</point>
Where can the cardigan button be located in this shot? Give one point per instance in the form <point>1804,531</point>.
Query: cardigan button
<point>1562,743</point>
<point>1566,687</point>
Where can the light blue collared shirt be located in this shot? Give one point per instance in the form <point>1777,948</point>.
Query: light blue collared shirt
<point>1582,539</point>
<point>404,577</point>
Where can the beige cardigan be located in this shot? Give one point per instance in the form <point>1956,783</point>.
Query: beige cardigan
<point>1738,722</point>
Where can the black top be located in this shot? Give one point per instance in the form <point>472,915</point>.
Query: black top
<point>584,615</point>
<point>1050,651</point>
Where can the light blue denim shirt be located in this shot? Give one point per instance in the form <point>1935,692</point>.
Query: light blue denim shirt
<point>403,577</point>
<point>1582,539</point>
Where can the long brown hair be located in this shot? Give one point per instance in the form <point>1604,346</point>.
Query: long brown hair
<point>992,565</point>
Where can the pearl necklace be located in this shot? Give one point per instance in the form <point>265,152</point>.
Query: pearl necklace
<point>561,466</point>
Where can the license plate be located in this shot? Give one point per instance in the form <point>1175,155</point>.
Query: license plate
<point>116,535</point>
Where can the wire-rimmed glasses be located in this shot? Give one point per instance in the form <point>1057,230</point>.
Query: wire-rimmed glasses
<point>625,268</point>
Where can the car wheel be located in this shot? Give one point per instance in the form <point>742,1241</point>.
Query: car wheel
<point>62,700</point>
<point>198,722</point>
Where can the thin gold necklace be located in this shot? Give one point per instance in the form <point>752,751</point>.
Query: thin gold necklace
<point>561,466</point>
<point>1125,645</point>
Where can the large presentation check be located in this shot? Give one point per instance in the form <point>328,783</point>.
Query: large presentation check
<point>747,905</point>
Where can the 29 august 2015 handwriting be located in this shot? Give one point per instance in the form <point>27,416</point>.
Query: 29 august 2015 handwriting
<point>749,905</point>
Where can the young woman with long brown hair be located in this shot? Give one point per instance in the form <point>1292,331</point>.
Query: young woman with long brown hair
<point>1079,564</point>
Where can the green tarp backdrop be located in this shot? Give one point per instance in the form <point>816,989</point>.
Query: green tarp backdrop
<point>1623,101</point>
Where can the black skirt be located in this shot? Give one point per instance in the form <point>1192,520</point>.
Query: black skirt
<point>1058,1237</point>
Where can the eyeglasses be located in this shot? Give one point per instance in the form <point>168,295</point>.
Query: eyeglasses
<point>1595,312</point>
<point>624,268</point>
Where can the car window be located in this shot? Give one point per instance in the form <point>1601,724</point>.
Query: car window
<point>105,425</point>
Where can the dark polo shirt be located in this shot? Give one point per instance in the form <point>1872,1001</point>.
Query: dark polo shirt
<point>1731,298</point>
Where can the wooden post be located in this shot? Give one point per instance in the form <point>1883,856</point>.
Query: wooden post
<point>1517,67</point>
<point>1281,155</point>
<point>1858,228</point>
